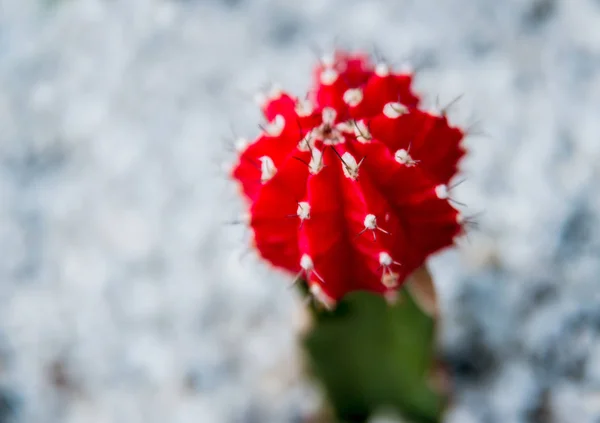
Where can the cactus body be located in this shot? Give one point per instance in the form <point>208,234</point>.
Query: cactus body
<point>348,188</point>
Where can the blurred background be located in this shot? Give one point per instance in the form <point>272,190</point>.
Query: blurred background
<point>125,296</point>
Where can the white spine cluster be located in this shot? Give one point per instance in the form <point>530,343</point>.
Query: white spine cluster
<point>328,115</point>
<point>304,108</point>
<point>403,157</point>
<point>316,161</point>
<point>328,76</point>
<point>394,110</point>
<point>385,259</point>
<point>353,97</point>
<point>267,169</point>
<point>350,166</point>
<point>303,210</point>
<point>370,222</point>
<point>276,126</point>
<point>442,192</point>
<point>382,70</point>
<point>361,130</point>
<point>306,263</point>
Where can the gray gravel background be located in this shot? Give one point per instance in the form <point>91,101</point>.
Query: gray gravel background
<point>124,298</point>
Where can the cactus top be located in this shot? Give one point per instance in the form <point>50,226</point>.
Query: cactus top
<point>348,186</point>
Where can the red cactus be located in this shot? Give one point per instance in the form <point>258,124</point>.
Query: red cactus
<point>348,188</point>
